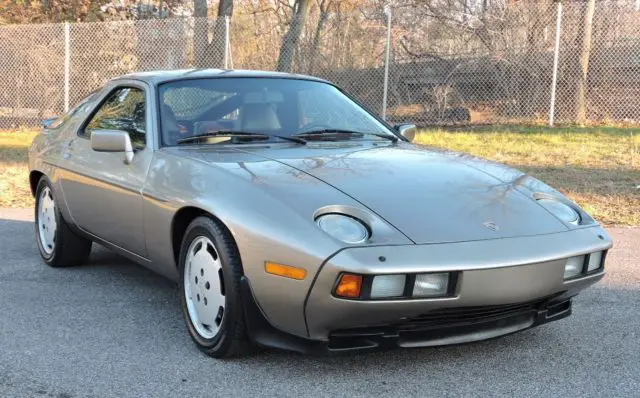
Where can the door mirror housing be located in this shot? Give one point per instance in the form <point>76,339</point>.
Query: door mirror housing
<point>112,141</point>
<point>408,131</point>
<point>46,123</point>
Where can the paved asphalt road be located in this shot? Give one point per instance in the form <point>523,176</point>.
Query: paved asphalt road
<point>111,328</point>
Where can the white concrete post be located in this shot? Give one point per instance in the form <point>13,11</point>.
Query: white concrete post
<point>556,53</point>
<point>387,11</point>
<point>67,61</point>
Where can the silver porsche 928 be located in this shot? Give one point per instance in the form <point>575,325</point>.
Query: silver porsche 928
<point>294,218</point>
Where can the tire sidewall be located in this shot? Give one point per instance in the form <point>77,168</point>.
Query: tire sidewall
<point>42,184</point>
<point>233,308</point>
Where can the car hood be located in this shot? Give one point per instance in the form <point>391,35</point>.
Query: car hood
<point>429,195</point>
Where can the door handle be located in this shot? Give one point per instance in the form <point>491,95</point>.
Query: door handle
<point>66,152</point>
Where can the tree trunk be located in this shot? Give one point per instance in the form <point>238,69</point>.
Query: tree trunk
<point>316,39</point>
<point>200,32</point>
<point>581,106</point>
<point>292,37</point>
<point>211,54</point>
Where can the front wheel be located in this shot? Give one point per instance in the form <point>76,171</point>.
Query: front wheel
<point>210,272</point>
<point>59,245</point>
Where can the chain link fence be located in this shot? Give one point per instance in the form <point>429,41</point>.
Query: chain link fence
<point>448,65</point>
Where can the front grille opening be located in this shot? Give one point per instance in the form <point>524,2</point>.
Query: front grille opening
<point>451,325</point>
<point>467,315</point>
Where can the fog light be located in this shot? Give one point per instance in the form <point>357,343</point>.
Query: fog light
<point>573,267</point>
<point>388,286</point>
<point>431,285</point>
<point>595,260</point>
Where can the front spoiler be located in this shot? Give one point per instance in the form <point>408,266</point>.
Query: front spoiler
<point>466,329</point>
<point>488,323</point>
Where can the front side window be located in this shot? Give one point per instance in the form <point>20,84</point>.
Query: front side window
<point>123,110</point>
<point>273,106</point>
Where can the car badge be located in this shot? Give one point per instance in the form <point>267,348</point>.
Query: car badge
<point>491,225</point>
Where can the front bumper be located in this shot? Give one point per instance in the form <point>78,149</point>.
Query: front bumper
<point>440,327</point>
<point>503,286</point>
<point>491,272</point>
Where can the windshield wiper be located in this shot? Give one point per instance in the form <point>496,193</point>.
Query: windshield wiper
<point>337,132</point>
<point>243,134</point>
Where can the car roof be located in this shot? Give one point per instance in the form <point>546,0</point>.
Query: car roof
<point>163,76</point>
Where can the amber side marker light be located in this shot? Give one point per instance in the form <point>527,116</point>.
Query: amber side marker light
<point>349,286</point>
<point>285,270</point>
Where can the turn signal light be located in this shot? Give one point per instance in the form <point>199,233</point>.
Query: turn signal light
<point>285,270</point>
<point>349,286</point>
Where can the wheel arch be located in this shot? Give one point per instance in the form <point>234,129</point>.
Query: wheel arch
<point>34,178</point>
<point>181,220</point>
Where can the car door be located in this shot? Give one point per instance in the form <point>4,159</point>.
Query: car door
<point>103,193</point>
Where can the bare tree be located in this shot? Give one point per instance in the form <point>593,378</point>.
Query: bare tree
<point>323,5</point>
<point>217,46</point>
<point>585,53</point>
<point>201,30</point>
<point>210,54</point>
<point>292,37</point>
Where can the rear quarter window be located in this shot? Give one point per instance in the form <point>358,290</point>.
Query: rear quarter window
<point>75,113</point>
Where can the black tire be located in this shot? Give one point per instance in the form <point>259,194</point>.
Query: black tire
<point>231,338</point>
<point>69,249</point>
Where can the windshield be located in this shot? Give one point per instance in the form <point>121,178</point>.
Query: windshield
<point>284,107</point>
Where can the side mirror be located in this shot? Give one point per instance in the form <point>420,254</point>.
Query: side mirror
<point>45,123</point>
<point>112,141</point>
<point>408,131</point>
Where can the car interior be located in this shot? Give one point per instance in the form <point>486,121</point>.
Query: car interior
<point>252,112</point>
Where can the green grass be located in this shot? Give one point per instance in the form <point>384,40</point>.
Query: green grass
<point>598,167</point>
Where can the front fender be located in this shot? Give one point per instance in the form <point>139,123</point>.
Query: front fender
<point>268,210</point>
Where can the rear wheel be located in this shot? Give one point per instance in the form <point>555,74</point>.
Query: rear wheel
<point>59,245</point>
<point>210,272</point>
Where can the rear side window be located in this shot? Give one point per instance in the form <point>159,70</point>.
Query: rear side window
<point>72,115</point>
<point>123,110</point>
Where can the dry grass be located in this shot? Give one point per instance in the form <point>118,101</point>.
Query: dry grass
<point>597,167</point>
<point>14,179</point>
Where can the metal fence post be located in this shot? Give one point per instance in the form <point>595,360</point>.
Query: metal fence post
<point>230,52</point>
<point>556,53</point>
<point>67,59</point>
<point>387,11</point>
<point>226,42</point>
